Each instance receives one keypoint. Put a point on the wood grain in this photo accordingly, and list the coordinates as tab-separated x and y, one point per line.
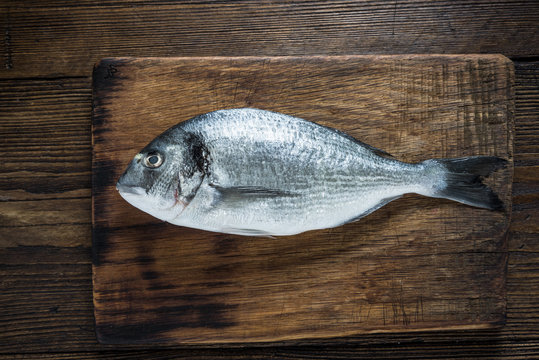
416	264
405	350
45	300
64	38
45	138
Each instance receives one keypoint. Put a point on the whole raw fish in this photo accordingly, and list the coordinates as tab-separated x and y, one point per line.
256	172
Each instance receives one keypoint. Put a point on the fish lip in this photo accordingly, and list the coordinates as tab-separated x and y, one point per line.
126	189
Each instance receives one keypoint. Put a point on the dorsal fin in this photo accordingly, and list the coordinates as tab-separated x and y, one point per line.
377	151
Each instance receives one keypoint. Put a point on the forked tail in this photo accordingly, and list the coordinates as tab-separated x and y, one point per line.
461	180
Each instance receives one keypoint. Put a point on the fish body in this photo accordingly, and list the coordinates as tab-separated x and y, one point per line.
255	172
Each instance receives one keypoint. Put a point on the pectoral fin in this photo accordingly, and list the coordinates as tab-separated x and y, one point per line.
236	196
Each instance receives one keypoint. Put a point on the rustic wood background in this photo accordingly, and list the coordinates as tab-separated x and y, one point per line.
48	51
415	264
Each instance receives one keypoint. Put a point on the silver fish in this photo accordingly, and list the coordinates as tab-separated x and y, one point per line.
260	173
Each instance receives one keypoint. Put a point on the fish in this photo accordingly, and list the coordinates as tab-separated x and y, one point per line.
255	172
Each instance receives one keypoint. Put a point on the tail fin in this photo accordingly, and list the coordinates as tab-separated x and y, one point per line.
463	181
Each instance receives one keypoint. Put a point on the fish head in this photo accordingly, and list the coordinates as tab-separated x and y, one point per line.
163	177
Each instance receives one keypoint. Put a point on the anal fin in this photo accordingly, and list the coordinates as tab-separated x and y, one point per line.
383	202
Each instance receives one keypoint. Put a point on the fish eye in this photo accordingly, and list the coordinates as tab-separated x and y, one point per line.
153	160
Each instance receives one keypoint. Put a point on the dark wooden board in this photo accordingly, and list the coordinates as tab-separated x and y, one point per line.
46	288
65	38
417	264
45	260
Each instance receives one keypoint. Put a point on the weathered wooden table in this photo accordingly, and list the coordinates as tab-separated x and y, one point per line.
49	49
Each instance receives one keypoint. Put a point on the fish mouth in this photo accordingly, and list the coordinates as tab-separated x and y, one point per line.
126	189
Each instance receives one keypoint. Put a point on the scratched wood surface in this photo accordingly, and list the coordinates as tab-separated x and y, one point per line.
416	264
64	38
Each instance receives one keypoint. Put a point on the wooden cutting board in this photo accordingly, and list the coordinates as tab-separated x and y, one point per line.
416	264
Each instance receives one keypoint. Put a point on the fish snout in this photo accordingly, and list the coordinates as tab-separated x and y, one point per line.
124	186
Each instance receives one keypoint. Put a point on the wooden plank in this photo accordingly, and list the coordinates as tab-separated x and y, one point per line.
49	336
45	138
66	38
46	305
445	269
471	351
527	105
